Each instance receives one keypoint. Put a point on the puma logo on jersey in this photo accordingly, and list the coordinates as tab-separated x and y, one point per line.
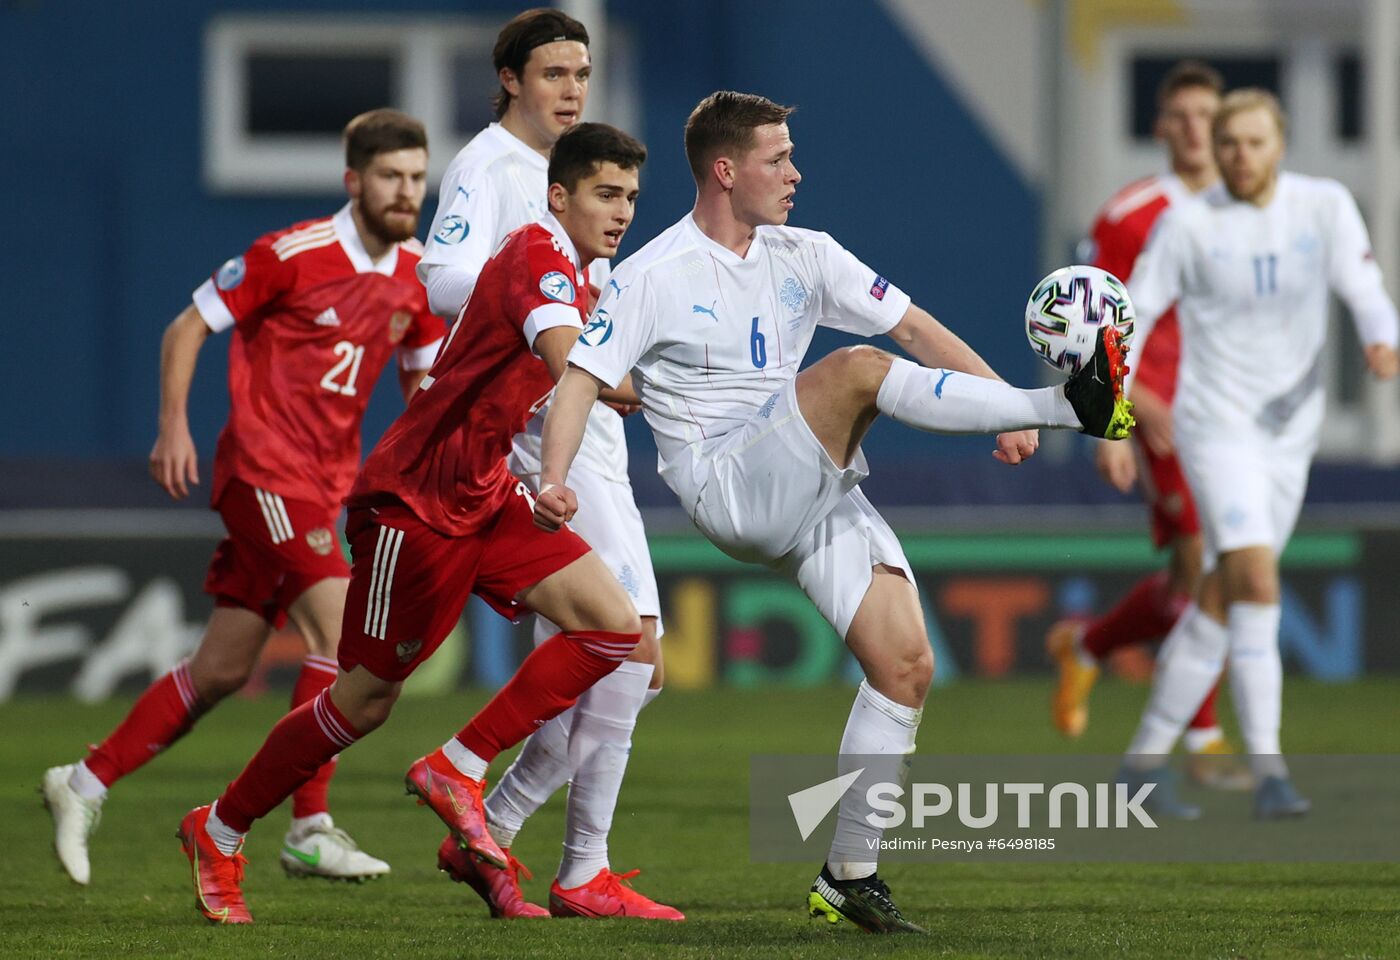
710	310
328	318
613	283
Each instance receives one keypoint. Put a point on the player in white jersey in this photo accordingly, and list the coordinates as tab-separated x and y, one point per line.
496	183
712	318
1249	265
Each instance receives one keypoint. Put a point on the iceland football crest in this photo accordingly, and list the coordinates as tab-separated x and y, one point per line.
598	329
793	295
556	286
231	274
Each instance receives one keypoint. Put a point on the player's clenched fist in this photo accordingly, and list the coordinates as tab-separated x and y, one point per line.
554	507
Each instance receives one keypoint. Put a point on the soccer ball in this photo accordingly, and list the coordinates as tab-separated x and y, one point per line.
1067	308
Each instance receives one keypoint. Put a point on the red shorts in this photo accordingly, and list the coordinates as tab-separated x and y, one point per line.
409	582
1168	497
275	550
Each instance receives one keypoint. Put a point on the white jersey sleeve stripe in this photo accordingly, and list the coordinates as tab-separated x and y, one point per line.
419	358
547	316
212	308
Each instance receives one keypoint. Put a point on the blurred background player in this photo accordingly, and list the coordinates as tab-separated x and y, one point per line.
435	515
714	315
1187	100
317	311
1249	265
499	182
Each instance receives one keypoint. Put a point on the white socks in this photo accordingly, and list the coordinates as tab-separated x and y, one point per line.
944	401
85	783
468	764
877	725
599	745
601	722
227	839
1187	667
1256	683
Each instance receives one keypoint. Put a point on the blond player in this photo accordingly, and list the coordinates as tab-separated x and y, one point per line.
1249	266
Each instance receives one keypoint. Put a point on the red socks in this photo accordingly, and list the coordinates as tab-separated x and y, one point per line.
163	714
301	743
1147	613
547	683
317	673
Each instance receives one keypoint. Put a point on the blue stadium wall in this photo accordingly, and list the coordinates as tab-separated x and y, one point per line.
111	227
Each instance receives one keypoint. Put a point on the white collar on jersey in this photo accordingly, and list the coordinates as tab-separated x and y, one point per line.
349	237
512	142
552	224
718	249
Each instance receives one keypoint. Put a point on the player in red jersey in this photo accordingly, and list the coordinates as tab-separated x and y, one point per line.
316	312
1187	100
435	516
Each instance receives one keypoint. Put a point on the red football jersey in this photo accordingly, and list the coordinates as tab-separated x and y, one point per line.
1119	234
315	321
445	456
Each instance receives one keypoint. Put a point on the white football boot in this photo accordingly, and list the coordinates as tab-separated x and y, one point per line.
74	820
324	850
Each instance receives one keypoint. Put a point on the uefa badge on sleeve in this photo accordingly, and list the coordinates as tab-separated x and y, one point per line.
556	286
231	274
598	330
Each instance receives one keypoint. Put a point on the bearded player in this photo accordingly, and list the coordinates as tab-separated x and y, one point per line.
316	311
1187	99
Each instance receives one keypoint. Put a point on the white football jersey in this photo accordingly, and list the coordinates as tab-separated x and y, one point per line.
494	185
712	335
1251	287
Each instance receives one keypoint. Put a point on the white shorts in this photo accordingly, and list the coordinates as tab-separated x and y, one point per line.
608	520
773	495
1248	490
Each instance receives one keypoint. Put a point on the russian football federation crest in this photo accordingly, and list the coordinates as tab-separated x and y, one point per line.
321	540
407	650
398	325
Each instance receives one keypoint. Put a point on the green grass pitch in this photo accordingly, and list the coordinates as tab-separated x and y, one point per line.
683	819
